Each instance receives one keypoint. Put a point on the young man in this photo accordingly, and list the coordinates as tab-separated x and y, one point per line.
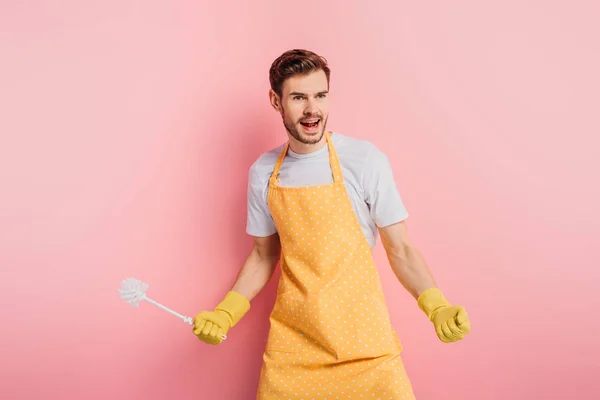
317	203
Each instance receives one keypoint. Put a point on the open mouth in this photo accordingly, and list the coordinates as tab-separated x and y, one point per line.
311	124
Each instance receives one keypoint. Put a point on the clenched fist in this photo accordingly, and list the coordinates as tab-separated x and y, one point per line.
451	322
212	326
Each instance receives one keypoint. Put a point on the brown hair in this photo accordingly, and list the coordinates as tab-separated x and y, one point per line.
293	62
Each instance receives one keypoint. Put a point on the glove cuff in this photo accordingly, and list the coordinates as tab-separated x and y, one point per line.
431	301
235	305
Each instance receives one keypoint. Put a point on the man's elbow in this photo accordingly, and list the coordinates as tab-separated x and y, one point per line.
398	250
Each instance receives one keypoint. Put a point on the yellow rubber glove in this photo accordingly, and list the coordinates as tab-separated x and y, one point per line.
210	326
451	322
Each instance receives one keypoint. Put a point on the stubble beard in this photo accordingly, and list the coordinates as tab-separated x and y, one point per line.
296	134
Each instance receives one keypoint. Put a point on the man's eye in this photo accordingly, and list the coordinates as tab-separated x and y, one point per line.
297	97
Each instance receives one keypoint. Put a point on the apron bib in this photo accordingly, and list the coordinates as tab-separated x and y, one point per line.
330	334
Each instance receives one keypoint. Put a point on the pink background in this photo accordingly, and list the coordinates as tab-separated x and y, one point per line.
127	133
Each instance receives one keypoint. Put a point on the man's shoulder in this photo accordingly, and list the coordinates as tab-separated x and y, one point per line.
263	165
355	147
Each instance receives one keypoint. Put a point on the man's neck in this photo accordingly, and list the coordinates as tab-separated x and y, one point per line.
303	148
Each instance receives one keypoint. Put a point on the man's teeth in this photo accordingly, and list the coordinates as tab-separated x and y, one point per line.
311	122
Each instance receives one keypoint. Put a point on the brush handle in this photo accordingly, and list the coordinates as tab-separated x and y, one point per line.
187	320
167	309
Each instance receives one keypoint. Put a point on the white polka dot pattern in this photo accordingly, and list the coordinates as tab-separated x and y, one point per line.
330	334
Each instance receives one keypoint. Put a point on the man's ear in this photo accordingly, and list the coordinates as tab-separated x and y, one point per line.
275	100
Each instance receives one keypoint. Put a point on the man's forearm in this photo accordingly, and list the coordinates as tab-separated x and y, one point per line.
410	268
255	273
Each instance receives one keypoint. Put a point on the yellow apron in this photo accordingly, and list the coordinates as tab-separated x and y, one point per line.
330	335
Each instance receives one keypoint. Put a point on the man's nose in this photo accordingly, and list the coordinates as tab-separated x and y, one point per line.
311	107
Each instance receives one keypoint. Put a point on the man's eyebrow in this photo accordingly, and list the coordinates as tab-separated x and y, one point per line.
304	94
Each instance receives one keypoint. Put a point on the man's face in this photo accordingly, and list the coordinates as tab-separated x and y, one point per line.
303	106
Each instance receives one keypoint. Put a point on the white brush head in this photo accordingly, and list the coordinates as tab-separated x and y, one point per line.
133	291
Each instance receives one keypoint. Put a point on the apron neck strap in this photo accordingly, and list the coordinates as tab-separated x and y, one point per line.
334	162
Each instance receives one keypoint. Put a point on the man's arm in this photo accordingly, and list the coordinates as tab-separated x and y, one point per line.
210	326
259	266
451	323
406	261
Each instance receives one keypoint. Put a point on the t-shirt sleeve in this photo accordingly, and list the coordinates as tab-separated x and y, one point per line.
259	221
381	193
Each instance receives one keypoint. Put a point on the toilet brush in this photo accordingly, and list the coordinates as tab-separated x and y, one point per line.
133	291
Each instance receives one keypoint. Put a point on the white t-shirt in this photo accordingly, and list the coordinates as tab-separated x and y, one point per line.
368	178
